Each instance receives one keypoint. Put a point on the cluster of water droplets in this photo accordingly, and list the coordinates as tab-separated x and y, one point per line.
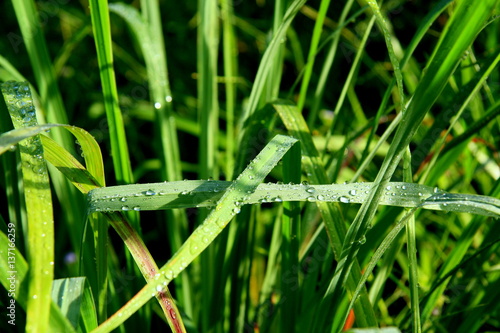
20	106
19	103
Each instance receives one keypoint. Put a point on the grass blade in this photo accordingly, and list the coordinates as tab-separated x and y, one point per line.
459	34
40	242
227	207
102	35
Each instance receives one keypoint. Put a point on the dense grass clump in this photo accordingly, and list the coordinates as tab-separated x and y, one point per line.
293	167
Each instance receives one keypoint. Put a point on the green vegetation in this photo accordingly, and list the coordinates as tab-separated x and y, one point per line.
294	167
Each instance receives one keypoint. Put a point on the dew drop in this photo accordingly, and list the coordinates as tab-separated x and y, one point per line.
352	192
403	187
436	190
169	274
310	190
149	192
125	208
344	200
168	99
157	105
362	240
123	199
320	197
159	288
193	248
311	199
236	210
137	208
278	199
388	188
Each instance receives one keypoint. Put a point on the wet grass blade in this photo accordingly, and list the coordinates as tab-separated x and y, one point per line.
202	193
227	207
460	32
40	228
333	220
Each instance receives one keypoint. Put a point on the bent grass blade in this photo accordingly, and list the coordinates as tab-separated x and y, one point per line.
85	180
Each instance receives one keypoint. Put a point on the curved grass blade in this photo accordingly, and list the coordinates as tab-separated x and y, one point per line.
67	294
90	149
86	180
227	207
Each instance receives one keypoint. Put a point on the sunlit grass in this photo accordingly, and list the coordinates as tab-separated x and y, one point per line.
291	213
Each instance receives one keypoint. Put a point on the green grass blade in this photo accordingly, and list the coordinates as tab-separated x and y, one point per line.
230	73
318	29
351	75
13	262
469	93
227	207
85	181
199	193
208	113
332	217
460	32
102	35
383	26
67	294
412	253
325	71
30	22
208	42
40	242
290	245
491	114
266	62
101	29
